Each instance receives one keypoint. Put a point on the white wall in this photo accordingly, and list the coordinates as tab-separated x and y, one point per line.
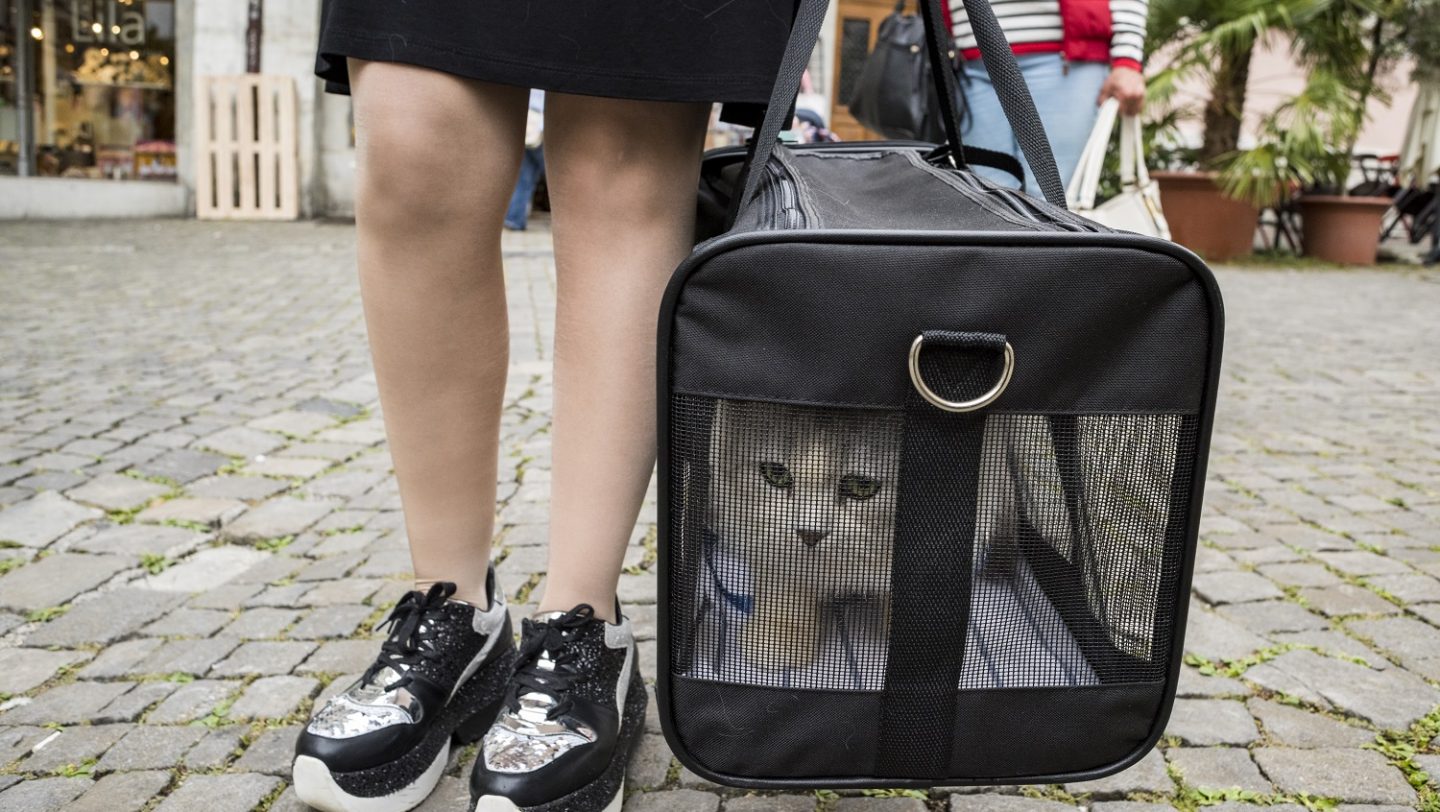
291	28
337	157
83	198
1274	78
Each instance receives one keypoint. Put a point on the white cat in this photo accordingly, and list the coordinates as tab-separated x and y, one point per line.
805	498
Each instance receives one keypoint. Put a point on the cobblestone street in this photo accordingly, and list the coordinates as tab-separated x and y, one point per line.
199	528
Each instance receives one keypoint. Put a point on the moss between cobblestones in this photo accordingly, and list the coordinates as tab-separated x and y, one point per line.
219	715
198	527
1382	592
126	516
231	467
1190	799
155	563
1401	748
896	793
672	775
153	478
48	613
274	545
650	543
1050	792
375	618
1237	667
75	770
522	594
467	754
270	799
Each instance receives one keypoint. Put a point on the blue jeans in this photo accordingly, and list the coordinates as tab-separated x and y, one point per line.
1065	100
532	166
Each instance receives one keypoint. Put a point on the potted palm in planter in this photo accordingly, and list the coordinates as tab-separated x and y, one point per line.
1306	146
1213	40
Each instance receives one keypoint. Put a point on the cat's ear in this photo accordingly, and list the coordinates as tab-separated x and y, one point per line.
730	430
734	417
724	416
725	432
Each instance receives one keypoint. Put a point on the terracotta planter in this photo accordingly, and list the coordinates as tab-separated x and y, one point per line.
1342	229
1203	219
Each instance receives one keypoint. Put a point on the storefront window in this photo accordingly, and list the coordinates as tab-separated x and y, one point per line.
9	115
103	76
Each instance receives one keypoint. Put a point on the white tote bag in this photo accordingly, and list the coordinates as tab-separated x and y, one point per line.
1137	207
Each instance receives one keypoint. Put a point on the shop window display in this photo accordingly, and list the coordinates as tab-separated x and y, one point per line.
103	103
9	115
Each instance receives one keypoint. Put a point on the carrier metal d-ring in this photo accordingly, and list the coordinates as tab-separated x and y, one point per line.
959	405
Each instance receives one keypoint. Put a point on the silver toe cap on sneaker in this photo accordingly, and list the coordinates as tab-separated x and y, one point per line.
364	708
525	740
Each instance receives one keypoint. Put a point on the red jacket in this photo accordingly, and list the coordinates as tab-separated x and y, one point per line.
1087	30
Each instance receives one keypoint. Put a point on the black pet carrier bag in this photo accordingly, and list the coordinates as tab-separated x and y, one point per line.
931	456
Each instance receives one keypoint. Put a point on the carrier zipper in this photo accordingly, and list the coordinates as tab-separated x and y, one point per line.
957	180
788	213
991	196
1061	217
1026	206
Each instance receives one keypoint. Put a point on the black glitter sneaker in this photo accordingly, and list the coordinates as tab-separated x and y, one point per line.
573	712
382	744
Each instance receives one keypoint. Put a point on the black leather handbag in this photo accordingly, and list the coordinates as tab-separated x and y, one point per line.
893	95
931	459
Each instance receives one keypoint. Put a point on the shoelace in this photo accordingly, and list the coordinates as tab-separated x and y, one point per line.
552	639
410	635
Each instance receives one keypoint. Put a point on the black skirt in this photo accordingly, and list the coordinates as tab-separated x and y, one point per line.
670	50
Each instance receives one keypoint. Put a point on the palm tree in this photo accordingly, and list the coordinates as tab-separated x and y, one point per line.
1341	43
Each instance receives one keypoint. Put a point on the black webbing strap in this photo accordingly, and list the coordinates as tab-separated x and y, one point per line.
804	32
979	156
1000	62
1015	99
931	568
939	44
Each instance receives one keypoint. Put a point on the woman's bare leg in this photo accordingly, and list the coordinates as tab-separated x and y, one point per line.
437	160
622	177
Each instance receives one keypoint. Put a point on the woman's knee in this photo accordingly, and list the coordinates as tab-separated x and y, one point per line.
433	150
408	177
624	157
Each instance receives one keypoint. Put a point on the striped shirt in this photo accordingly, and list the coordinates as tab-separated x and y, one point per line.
1037	23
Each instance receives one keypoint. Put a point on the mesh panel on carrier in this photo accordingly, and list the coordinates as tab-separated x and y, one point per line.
787	516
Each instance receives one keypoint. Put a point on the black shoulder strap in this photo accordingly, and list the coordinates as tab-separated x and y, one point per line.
1014	97
999	62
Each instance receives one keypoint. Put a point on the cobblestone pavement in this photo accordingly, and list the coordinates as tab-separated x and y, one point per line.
200	527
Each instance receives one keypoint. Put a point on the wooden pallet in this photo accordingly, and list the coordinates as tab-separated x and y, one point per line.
247	148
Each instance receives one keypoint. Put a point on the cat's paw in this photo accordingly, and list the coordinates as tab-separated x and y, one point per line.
776	648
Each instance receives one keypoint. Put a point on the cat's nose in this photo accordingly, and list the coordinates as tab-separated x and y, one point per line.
810	535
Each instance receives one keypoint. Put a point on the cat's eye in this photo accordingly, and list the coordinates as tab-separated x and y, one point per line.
857	486
776	474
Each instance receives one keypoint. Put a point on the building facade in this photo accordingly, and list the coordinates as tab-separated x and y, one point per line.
98	98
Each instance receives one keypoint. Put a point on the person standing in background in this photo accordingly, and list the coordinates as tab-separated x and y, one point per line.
1074	54
532	164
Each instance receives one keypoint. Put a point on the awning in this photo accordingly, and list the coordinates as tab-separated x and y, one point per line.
1420	156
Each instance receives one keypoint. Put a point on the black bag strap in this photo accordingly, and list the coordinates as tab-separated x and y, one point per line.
1014	97
999	60
942	73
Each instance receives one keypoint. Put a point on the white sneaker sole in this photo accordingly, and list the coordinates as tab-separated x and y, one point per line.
495	803
316	786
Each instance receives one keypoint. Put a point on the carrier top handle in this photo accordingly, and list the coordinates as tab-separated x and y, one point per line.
1014	97
1000	62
